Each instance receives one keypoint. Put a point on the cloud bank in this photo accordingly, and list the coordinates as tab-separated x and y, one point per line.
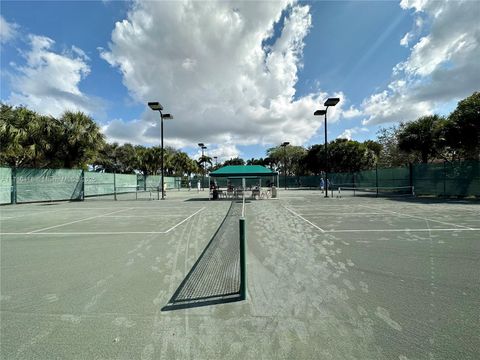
219	68
443	65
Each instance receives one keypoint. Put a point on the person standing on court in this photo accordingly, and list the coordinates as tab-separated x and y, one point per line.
198	186
322	184
189	185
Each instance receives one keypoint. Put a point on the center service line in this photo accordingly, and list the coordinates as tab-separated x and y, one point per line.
301	217
181	222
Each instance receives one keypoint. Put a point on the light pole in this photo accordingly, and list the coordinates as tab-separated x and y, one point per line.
215	158
203	147
156	106
329	102
284	145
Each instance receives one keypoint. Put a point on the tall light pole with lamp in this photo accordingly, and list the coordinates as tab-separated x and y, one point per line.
203	147
329	102
156	106
284	145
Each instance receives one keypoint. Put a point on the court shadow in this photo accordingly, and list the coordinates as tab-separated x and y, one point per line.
215	276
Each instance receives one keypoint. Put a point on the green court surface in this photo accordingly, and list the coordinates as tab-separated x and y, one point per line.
328	278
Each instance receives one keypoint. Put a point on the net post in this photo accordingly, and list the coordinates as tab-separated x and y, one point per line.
376	176
243	260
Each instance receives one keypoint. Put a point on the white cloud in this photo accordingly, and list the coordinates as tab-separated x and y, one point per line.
442	67
208	64
348	133
8	31
351	112
49	81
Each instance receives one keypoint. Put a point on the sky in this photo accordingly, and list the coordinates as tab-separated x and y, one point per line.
240	77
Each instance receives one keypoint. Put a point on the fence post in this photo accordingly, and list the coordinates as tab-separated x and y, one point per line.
410	174
82	195
353	179
243	260
376	177
444	179
13	194
114	185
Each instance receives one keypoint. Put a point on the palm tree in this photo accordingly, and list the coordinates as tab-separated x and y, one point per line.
82	139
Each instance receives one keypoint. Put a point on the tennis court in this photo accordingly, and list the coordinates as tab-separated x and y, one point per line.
328	278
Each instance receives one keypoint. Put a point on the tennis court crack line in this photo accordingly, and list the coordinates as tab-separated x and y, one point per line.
417	217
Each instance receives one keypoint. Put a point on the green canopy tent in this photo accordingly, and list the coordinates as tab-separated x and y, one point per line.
245	172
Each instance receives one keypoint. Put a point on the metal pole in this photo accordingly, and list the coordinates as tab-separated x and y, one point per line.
243	260
114	183
326	156
163	187
82	195
203	173
14	186
285	164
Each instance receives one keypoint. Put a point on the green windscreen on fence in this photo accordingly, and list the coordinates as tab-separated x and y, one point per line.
48	184
5	185
98	183
154	181
366	178
447	179
126	182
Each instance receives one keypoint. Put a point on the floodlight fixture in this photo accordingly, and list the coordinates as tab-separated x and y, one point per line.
155	105
331	101
320	112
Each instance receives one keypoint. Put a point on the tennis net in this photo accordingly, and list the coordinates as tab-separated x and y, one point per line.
375	191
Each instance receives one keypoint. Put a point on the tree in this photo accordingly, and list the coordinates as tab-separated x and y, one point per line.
204	159
81	141
254	161
374	146
234	161
420	137
349	156
462	130
314	160
28	139
390	154
289	156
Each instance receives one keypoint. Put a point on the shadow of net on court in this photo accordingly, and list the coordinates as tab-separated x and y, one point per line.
215	277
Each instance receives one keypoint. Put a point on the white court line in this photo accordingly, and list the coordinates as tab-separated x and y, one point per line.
88	233
143	216
335	214
418	217
301	217
397	230
181	222
76	221
164	232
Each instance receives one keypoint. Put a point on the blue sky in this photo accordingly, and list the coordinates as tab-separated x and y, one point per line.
240	77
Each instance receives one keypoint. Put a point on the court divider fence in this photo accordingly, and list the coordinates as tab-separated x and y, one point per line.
24	185
443	179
